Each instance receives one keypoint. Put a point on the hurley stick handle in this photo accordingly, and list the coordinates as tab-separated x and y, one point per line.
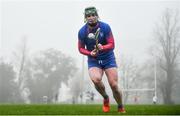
96	38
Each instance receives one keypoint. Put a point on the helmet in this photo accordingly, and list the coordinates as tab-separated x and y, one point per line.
90	10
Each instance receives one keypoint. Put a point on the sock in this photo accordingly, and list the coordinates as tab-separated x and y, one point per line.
120	106
106	96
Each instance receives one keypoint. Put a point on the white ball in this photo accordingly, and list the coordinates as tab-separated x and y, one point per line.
91	36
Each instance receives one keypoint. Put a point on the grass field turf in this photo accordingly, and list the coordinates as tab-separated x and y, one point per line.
79	109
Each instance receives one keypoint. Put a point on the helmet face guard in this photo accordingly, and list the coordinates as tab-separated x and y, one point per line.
90	11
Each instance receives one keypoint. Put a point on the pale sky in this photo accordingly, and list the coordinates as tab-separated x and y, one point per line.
55	24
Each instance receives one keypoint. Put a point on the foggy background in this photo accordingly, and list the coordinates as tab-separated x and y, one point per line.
40	62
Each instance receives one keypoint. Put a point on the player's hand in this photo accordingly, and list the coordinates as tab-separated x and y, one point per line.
100	47
94	53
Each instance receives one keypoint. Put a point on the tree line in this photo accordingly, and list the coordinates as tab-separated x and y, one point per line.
30	77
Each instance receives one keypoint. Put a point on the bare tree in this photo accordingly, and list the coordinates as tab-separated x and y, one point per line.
20	61
167	33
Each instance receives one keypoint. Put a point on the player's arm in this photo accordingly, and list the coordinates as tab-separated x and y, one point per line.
109	39
109	45
81	44
84	51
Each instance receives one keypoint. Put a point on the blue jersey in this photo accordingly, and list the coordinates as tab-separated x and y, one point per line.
105	38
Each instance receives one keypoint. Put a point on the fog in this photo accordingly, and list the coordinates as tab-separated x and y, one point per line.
55	24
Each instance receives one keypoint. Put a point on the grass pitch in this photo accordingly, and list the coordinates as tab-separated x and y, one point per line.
84	109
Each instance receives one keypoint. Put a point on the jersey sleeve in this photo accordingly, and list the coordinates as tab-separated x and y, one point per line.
109	39
81	45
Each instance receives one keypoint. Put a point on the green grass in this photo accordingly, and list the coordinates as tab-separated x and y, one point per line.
52	109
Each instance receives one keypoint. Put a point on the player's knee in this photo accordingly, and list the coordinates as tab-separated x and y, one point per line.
96	81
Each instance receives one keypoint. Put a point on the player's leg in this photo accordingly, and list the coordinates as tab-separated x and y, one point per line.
112	76
96	74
